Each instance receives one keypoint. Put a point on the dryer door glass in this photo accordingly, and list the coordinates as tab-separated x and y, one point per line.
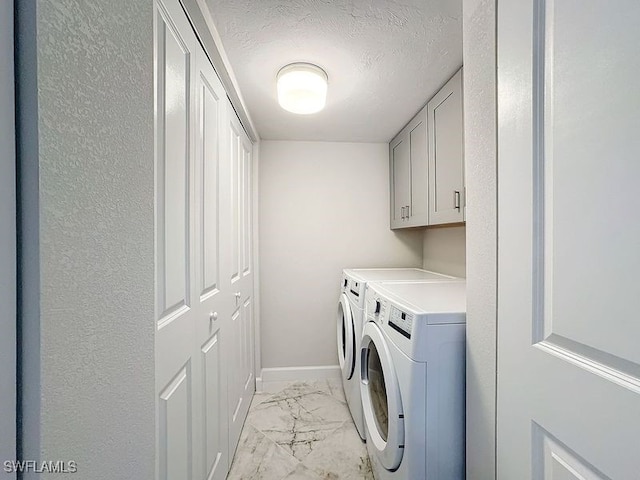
378	391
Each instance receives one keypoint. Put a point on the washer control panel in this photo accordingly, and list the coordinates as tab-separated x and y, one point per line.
401	321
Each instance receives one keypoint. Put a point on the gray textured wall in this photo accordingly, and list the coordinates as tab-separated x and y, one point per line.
7	242
94	207
479	47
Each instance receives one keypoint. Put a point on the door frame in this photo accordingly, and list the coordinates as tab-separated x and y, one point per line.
8	248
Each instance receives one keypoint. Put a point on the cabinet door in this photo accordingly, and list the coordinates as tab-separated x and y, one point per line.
400	169
446	154
418	210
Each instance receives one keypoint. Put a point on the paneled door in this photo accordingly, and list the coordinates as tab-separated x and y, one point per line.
193	309
214	304
177	368
240	277
569	240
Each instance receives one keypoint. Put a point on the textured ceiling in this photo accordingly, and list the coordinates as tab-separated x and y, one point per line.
384	59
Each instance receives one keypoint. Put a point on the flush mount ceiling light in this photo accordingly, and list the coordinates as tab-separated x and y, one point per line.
302	88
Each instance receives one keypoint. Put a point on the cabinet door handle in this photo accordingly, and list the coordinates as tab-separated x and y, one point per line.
456	200
408	211
402	213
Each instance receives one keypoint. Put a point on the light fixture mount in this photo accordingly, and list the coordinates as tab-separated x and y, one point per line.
302	88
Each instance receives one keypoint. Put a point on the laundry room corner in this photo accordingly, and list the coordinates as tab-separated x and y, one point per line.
322	206
444	250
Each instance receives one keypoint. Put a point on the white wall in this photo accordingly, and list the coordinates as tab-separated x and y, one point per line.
444	250
323	207
7	242
479	24
86	157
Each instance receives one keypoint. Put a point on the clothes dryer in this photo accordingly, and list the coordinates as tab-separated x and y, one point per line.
350	323
413	380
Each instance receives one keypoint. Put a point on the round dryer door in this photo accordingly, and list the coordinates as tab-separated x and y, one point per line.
381	401
346	337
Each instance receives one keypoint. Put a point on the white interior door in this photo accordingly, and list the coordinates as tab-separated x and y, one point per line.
214	306
569	237
240	277
177	368
192	306
7	242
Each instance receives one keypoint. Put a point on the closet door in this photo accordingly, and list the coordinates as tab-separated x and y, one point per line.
240	277
177	368
213	303
193	310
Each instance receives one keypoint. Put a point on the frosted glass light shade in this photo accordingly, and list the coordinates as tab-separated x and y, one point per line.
302	88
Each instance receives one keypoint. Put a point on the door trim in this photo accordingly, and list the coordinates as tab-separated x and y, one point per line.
207	33
256	265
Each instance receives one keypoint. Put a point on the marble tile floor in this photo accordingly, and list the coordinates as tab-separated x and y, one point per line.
303	432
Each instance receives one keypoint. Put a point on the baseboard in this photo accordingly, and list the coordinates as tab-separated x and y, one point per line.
273	379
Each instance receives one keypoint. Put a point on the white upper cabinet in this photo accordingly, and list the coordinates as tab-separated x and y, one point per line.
408	173
446	154
400	171
419	212
426	163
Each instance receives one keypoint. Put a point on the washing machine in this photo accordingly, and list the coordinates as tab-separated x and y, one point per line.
412	380
350	322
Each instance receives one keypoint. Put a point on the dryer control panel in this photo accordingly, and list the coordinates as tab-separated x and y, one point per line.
375	307
401	321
